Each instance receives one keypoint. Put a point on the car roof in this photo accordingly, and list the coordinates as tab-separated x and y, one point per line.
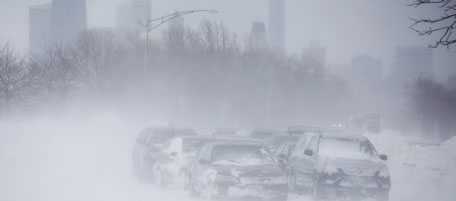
344	136
198	137
235	143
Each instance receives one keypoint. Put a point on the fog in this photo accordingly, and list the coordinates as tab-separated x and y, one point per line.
79	83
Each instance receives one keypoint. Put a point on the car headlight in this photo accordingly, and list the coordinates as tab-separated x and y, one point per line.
226	179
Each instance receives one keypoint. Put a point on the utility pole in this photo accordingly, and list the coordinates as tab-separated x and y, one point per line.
149	25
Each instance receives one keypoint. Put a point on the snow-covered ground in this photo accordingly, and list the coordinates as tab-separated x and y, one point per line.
90	160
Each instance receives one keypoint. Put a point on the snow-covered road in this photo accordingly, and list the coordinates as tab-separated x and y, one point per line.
90	160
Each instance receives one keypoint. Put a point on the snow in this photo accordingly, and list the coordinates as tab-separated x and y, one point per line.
44	159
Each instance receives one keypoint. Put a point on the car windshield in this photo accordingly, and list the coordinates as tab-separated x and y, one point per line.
277	140
346	148
241	155
193	145
160	136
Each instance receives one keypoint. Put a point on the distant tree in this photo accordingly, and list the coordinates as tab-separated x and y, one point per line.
443	25
98	53
434	105
12	74
55	71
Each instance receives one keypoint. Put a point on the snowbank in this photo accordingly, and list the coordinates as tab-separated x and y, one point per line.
419	171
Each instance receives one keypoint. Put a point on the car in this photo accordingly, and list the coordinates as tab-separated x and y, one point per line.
262	134
237	170
226	132
299	130
339	166
175	158
148	144
275	140
283	152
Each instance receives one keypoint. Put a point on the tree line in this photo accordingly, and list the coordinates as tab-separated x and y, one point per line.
206	75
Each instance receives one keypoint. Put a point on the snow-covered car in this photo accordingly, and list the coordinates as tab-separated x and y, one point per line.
338	166
237	170
148	144
175	158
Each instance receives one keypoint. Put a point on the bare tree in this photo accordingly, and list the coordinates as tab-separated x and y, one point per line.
442	25
98	52
12	73
55	70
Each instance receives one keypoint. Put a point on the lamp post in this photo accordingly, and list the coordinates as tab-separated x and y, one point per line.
151	24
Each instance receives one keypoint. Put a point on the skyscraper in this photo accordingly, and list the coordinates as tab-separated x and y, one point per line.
39	26
258	39
276	27
68	19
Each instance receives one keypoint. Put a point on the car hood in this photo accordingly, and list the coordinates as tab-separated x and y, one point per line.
267	170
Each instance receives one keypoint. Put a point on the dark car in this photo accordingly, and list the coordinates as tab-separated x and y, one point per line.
338	166
283	152
237	170
148	144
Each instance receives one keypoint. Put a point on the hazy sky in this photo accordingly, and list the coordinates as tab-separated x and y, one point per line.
347	28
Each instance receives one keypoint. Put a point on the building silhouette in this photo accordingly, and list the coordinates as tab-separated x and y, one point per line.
317	52
276	24
68	19
39	26
413	62
258	36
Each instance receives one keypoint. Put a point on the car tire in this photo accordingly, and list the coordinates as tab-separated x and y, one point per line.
317	190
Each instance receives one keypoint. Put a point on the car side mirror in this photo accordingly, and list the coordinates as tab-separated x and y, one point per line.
308	152
203	162
173	154
384	157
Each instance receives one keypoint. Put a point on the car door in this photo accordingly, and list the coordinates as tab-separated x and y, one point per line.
308	162
300	161
200	169
296	158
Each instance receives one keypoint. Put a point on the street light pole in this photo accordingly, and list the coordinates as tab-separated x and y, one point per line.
148	24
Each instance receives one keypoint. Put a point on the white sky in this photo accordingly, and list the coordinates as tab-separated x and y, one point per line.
347	28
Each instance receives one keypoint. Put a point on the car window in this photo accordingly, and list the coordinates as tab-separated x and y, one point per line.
206	154
346	148
313	144
279	150
300	146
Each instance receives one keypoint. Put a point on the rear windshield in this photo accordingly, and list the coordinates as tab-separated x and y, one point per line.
346	148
